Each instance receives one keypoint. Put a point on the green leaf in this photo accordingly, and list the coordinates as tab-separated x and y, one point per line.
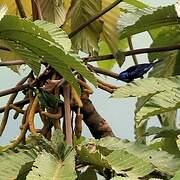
146	86
104	49
177	176
162	132
147	19
163	102
137	4
8	56
61	38
88	155
161	160
59	145
37	42
16	163
110	31
47	99
47	166
56	33
53	11
87	39
134	167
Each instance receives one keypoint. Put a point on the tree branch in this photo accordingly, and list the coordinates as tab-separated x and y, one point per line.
133	52
14	89
92	19
20	9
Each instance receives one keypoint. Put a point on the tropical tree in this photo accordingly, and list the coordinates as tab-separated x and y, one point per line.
51	38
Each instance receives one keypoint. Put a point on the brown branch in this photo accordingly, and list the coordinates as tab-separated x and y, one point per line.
14	89
20	9
19	103
92	19
103	71
133	52
67	91
97	125
110	56
24	128
11	63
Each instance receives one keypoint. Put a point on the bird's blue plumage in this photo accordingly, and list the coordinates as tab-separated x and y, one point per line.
136	71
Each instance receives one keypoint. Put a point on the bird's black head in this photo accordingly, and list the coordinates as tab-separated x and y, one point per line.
124	76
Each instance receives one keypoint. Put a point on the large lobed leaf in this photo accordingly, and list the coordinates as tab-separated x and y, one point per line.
53	11
35	41
161	160
47	166
16	163
121	160
80	12
162	95
147	86
147	19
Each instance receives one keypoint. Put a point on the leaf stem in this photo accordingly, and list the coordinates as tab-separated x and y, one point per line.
92	19
132	48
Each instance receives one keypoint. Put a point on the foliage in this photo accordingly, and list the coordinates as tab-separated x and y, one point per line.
57	87
56	159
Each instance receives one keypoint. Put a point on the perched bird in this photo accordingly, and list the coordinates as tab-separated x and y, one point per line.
136	71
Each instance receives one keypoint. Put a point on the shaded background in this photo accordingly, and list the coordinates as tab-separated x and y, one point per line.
118	112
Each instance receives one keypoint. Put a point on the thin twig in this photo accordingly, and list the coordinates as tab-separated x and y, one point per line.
14	89
20	9
132	48
103	71
7	109
19	103
92	19
66	91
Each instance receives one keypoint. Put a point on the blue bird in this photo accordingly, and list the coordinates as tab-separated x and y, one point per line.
136	71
